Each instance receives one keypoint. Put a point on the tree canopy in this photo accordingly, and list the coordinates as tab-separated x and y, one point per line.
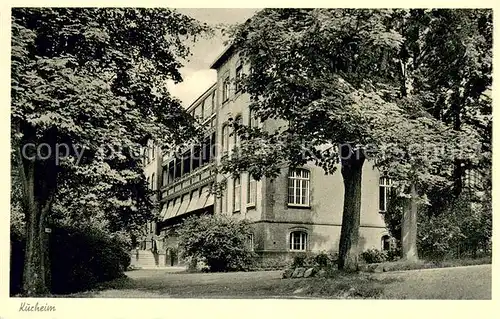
376	82
91	84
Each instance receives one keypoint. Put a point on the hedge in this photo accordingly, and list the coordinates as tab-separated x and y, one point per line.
80	259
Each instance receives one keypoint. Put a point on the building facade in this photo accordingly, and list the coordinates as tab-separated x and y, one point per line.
299	211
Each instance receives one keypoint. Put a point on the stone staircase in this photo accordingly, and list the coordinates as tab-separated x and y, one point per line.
144	259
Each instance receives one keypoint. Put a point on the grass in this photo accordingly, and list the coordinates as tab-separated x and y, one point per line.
258	284
442	283
423	264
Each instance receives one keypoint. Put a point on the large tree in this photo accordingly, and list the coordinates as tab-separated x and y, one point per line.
329	78
445	69
85	81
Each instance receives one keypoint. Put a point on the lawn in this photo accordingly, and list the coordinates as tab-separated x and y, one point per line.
472	282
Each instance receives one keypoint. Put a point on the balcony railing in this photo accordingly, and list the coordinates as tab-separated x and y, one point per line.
198	177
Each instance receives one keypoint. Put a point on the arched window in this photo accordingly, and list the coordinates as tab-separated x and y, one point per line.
252	119
386	242
237	138
298	240
239	75
225	138
298	187
225	89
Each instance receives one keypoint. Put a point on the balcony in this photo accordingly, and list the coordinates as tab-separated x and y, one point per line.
201	176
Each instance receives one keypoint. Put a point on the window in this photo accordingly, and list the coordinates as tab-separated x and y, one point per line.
196	156
178	166
224	198
237	138
252	121
237	195
203	110
171	171
213	148
206	150
249	242
251	190
298	187
145	156
165	176
198	113
386	242
471	179
213	102
148	181
225	138
225	89
186	158
239	74
153	181
384	188
298	240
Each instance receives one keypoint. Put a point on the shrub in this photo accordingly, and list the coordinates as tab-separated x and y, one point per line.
325	260
394	254
449	227
322	260
300	259
80	259
373	255
272	263
218	240
463	229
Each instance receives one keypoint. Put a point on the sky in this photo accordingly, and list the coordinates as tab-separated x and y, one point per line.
197	75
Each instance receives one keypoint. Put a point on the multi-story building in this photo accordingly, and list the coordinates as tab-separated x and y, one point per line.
187	176
300	210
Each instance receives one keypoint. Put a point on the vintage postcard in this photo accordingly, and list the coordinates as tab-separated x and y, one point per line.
163	155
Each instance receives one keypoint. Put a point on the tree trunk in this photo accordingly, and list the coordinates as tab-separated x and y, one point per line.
409	227
36	268
39	179
349	235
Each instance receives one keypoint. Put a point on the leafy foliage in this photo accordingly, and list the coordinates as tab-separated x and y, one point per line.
320	260
81	258
101	89
373	255
464	229
406	88
217	240
460	228
90	82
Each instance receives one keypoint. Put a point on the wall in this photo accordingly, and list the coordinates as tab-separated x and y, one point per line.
236	105
274	219
323	219
326	198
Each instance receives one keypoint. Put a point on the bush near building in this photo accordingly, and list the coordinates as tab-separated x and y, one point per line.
219	241
80	259
455	229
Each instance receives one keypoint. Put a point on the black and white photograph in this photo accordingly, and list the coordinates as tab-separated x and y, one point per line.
250	153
